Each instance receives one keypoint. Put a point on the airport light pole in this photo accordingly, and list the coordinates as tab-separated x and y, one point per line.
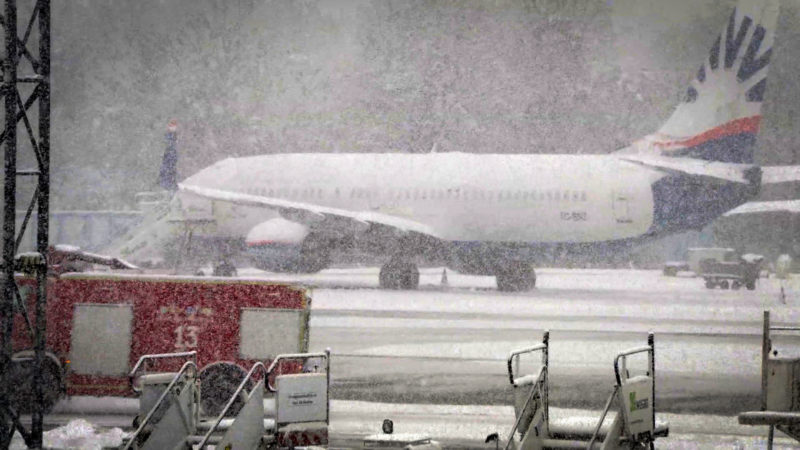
25	90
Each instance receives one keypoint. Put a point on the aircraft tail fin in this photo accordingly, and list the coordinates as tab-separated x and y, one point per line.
721	112
168	175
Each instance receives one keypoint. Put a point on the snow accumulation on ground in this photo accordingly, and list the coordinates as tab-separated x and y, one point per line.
547	278
454	423
78	434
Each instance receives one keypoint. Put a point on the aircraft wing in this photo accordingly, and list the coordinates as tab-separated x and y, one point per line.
792	206
780	174
316	216
738	173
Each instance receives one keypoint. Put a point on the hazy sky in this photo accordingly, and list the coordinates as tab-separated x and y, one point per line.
247	77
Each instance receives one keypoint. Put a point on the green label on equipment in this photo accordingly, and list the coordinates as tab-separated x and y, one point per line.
637	404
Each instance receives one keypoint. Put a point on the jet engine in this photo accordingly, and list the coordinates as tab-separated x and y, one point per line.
280	245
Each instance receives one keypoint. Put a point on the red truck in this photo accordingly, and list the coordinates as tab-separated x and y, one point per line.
99	324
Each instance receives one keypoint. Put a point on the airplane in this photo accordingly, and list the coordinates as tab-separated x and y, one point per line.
492	214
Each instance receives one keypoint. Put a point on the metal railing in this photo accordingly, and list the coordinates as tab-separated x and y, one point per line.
766	348
537	388
186	366
620	367
622	356
231	400
266	373
543	347
147	358
603	417
538	383
289	356
650	349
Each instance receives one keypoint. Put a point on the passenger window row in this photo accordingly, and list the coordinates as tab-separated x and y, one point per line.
426	194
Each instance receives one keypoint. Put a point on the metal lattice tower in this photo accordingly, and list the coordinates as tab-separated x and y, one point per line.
26	93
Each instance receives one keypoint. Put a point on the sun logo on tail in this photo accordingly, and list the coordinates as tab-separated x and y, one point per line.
745	67
721	112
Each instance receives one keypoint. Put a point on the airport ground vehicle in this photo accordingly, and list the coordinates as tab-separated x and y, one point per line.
698	254
671	268
100	324
695	256
734	274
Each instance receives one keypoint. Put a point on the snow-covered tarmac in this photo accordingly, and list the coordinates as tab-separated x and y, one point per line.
449	343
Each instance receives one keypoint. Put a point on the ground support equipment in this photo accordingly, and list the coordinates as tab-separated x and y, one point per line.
633	427
292	412
780	389
169	404
279	411
734	274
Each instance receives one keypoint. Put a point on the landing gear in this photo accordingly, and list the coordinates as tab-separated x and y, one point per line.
515	277
399	275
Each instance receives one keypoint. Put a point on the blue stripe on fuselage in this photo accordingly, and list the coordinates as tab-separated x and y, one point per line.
681	202
684	202
736	148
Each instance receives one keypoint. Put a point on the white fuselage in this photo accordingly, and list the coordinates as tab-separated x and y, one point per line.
461	196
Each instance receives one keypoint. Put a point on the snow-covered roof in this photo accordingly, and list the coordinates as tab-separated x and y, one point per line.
760	207
780	174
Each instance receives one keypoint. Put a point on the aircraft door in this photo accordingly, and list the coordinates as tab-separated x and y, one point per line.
621	203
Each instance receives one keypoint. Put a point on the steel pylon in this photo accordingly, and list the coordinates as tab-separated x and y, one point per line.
25	90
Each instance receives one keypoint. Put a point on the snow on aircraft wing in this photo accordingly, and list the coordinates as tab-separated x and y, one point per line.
315	215
792	206
780	174
738	173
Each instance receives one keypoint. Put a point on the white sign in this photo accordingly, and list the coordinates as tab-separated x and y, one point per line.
302	398
637	404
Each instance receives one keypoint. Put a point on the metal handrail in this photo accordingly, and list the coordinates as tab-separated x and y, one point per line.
536	388
543	347
186	366
784	328
603	417
266	373
517	353
650	348
326	354
233	398
192	354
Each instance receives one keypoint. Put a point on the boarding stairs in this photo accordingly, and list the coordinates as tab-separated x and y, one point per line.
633	427
780	388
279	411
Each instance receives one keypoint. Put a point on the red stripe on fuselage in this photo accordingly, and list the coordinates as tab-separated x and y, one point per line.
738	126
